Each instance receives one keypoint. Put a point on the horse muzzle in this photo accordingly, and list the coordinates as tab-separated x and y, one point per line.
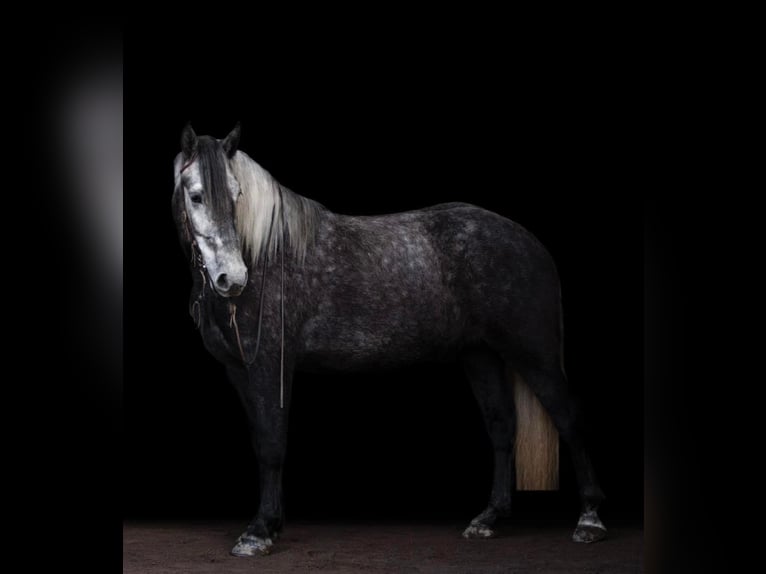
230	285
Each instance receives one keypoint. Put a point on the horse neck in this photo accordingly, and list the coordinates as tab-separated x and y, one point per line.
269	214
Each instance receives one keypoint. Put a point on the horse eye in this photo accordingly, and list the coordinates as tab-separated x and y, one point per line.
196	198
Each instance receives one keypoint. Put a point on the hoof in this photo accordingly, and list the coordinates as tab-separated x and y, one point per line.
249	545
478	531
589	534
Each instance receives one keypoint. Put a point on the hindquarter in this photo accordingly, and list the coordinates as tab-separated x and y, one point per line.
504	278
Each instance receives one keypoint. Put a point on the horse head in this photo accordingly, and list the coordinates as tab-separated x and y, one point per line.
210	194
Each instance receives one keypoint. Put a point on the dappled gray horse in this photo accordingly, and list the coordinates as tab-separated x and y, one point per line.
283	284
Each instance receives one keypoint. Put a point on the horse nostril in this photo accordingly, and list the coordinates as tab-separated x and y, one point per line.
222	281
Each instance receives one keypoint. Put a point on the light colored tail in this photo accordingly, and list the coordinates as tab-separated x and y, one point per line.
537	442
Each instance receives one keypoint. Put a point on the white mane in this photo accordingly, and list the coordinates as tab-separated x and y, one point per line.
261	196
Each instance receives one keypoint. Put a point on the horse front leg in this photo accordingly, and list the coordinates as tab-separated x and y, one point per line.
259	390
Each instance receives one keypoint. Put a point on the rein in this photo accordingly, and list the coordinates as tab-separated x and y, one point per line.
198	263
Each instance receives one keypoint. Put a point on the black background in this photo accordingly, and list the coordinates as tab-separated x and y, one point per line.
547	145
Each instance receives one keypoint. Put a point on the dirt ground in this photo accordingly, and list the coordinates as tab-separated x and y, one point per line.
195	547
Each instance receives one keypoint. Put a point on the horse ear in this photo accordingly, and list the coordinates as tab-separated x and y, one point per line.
231	142
188	141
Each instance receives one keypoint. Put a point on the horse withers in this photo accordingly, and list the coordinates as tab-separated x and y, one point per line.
280	283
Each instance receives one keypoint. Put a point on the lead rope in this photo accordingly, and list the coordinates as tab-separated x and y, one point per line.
263	288
233	322
260	310
233	308
282	300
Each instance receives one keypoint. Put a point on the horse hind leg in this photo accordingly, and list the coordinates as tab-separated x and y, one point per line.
486	372
549	384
